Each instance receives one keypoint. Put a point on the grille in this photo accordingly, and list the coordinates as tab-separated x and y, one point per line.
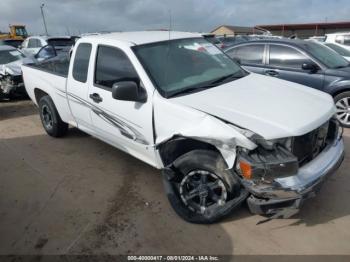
308	146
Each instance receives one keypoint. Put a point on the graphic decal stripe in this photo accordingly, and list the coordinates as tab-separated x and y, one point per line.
124	128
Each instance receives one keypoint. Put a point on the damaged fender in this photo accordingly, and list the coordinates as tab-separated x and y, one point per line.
172	119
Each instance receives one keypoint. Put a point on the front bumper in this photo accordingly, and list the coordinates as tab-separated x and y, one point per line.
12	85
290	192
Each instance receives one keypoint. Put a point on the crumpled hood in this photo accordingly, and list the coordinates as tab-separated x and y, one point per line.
14	68
270	107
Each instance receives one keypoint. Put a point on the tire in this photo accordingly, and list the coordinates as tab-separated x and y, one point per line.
50	119
187	187
342	102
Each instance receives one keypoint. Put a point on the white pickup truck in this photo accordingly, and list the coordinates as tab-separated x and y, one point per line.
220	134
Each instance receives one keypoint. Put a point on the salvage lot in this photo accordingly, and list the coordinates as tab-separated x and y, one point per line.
78	195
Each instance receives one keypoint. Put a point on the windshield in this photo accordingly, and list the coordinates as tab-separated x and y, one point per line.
9	56
340	50
179	65
325	55
60	42
21	31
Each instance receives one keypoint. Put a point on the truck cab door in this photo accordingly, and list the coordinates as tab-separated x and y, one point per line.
78	87
124	124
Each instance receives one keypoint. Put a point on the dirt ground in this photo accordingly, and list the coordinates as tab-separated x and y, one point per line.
77	195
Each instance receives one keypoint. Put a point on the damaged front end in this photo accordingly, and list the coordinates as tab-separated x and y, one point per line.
281	175
11	85
274	176
11	81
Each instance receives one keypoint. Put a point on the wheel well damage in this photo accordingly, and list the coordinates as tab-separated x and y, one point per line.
172	149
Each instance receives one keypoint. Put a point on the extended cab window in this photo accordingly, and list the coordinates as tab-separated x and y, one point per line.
248	54
112	65
81	62
284	56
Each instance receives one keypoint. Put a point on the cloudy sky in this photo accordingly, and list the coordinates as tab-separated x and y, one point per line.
80	16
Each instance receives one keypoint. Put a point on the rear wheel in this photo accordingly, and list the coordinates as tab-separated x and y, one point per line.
50	119
203	190
342	102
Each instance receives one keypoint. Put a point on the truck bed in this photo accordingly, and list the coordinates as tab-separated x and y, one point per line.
57	66
51	78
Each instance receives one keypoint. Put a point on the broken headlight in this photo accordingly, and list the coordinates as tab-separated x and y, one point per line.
266	165
269	160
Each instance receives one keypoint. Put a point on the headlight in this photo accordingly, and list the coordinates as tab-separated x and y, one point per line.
266	165
271	159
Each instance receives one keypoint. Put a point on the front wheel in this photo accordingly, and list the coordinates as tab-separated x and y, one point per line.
342	102
51	120
202	189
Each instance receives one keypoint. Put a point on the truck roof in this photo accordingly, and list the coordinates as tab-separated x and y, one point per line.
143	37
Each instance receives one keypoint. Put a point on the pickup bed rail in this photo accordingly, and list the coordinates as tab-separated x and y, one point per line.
54	66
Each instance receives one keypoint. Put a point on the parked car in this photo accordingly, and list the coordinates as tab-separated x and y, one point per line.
304	62
228	41
339	49
221	135
342	39
11	42
33	44
317	38
11	82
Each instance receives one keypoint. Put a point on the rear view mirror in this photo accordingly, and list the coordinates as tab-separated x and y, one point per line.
312	67
129	91
46	52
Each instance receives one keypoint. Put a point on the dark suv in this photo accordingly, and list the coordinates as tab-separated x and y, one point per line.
307	63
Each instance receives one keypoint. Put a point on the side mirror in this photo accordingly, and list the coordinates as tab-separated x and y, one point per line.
46	52
129	91
312	67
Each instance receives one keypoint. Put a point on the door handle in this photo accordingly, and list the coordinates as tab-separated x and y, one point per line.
271	73
96	97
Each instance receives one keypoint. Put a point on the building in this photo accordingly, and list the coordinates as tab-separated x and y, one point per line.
236	30
307	30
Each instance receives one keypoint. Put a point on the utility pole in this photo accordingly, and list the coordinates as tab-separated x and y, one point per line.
42	14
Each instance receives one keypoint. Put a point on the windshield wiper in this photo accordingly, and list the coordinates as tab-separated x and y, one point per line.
227	77
211	84
192	89
342	66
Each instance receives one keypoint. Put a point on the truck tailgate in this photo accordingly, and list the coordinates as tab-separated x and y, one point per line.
37	80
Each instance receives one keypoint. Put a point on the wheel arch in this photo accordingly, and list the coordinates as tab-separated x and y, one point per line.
38	93
170	150
341	90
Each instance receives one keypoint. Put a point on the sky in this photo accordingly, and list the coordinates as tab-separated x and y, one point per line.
81	16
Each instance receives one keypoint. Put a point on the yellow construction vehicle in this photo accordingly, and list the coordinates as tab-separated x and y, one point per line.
17	32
